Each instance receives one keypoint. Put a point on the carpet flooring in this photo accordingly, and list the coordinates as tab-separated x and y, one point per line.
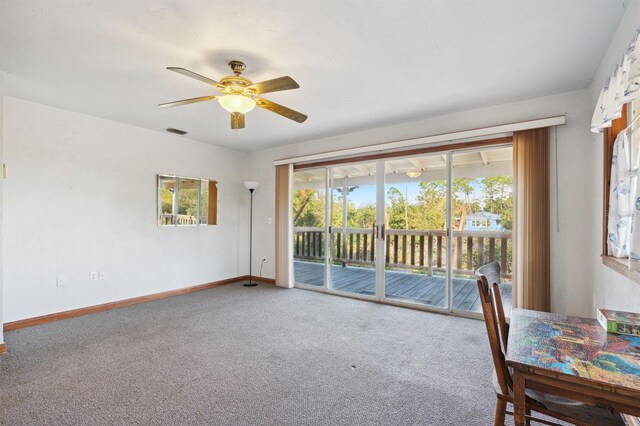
250	356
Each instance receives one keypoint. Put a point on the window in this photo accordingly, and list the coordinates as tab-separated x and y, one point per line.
630	112
480	223
186	201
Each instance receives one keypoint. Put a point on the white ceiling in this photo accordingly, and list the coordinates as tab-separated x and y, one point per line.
360	63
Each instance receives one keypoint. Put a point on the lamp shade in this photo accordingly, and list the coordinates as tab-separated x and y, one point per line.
251	185
237	103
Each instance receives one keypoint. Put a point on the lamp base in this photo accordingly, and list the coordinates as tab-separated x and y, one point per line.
250	284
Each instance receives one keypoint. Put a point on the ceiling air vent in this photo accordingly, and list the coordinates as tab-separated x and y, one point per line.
176	131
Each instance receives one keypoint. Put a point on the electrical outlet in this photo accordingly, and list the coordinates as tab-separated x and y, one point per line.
103	276
269	221
61	281
93	276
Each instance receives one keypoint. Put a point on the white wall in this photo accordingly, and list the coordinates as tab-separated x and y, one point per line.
612	290
81	196
1	182
571	247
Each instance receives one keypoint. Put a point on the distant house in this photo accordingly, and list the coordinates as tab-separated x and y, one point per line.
483	221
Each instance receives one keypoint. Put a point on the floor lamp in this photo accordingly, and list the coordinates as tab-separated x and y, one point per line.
251	186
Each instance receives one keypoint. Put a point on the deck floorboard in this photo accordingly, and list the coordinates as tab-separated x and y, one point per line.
420	288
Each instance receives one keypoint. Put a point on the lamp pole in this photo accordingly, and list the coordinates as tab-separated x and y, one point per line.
251	186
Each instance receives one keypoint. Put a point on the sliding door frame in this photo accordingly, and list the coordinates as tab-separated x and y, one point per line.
380	255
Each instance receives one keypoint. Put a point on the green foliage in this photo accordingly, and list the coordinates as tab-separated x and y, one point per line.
188	201
308	208
499	198
427	211
167	201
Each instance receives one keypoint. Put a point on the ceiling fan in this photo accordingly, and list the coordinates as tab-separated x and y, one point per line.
238	94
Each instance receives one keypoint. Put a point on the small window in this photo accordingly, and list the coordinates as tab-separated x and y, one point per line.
186	201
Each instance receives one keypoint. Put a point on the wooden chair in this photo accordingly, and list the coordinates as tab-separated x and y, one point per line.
573	412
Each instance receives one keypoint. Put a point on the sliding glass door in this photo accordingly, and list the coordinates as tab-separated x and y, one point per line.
415	218
482	227
309	223
353	225
406	230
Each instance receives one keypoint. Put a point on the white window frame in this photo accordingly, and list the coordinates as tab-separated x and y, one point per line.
174	204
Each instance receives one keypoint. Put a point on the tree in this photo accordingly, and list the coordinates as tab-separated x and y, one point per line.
431	205
308	208
499	198
396	209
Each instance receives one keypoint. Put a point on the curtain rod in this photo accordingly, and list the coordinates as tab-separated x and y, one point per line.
557	120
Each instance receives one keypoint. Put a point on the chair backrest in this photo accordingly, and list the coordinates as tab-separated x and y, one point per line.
492	272
488	286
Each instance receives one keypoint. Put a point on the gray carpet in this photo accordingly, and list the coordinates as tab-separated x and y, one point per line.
250	356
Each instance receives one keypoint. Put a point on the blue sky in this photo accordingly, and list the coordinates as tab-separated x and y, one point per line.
367	194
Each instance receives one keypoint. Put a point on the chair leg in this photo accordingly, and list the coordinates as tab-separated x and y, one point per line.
527	422
501	412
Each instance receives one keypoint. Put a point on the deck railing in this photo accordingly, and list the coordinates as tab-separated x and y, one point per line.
418	250
181	219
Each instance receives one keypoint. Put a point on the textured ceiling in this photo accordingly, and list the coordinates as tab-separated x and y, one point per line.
360	64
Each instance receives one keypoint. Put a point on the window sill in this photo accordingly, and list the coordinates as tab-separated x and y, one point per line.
622	267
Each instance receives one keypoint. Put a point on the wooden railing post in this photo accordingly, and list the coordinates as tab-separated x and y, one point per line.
351	246
365	247
492	249
413	249
430	253
395	249
404	249
469	253
388	250
503	255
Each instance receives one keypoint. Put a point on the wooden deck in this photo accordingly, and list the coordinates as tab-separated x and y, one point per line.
420	288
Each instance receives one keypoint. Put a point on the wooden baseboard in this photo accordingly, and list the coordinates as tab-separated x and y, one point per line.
29	322
263	280
3	348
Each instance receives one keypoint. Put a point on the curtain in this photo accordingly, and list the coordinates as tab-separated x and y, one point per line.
623	234
622	86
532	274
284	226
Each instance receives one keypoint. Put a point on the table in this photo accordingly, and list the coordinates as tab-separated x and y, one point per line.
574	358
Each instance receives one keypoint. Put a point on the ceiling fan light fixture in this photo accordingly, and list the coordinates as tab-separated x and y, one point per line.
237	103
414	174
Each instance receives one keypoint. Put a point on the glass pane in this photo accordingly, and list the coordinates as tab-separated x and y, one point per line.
187	201
482	212
635	133
353	191
204	201
415	219
309	201
166	189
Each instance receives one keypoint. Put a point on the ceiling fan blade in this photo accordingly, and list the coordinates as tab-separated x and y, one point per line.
193	75
237	120
187	101
275	85
282	110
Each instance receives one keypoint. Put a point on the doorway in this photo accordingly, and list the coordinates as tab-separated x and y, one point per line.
407	230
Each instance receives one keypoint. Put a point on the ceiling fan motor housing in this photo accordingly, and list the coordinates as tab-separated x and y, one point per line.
235	85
